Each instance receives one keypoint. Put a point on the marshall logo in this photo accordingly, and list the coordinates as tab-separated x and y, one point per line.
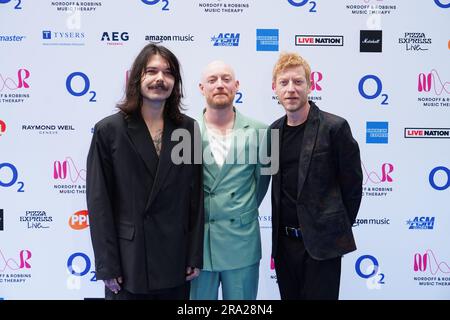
315	40
1	219
371	41
440	133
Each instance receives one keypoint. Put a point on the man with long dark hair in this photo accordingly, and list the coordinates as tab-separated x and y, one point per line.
146	212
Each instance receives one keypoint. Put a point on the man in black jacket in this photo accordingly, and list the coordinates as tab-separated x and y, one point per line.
316	193
146	210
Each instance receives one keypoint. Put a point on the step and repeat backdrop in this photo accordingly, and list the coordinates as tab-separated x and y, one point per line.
381	64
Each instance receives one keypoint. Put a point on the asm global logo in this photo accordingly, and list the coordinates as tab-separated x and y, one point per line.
315	40
439	133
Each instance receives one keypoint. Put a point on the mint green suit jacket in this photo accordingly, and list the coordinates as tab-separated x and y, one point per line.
232	195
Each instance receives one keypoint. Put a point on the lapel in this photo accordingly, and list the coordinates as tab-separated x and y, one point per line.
212	169
240	123
165	160
277	176
308	143
142	141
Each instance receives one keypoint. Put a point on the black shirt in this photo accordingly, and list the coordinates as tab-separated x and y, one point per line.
291	144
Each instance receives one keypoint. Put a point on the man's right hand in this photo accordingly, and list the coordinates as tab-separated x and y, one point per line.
113	284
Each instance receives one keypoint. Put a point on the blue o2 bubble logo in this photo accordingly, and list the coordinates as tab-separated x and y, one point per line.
298	3
433	173
75	269
153	2
378	89
442	5
372	274
9	176
86	85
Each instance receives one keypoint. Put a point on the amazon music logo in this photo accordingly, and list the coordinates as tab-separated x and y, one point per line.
72	177
437	272
377	181
435	89
12	88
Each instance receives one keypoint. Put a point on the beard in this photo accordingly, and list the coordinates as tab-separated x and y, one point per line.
220	101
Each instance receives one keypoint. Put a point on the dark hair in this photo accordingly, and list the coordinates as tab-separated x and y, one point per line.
133	97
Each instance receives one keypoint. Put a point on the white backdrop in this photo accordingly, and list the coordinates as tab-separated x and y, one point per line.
381	64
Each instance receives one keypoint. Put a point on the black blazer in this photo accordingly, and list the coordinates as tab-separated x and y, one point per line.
146	214
329	188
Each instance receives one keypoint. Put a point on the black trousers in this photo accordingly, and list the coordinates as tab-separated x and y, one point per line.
177	293
301	277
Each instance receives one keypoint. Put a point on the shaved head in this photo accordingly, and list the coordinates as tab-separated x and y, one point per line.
214	66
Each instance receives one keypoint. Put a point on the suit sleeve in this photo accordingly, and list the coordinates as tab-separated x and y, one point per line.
99	194
349	170
196	210
262	175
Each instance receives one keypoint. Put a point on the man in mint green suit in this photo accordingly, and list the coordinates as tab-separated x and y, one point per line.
233	147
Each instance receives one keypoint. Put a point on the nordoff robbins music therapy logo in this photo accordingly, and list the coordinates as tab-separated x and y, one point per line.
248	146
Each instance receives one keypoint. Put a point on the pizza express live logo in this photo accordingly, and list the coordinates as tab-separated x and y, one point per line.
36	219
414	41
225	7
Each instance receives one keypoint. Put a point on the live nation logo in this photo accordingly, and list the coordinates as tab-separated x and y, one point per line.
430	133
70	179
378	180
434	90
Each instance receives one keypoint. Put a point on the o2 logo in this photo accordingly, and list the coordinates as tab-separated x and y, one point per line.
86	85
17	6
431	178
79	265
378	89
9	176
153	2
316	77
372	271
298	3
442	5
239	96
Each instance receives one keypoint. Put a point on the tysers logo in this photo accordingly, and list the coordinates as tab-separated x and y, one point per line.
79	220
442	5
444	174
301	3
85	85
9	176
2	127
376	81
372	271
165	3
18	3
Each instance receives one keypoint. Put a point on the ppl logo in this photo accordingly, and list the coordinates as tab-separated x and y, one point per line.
442	5
429	262
12	264
374	83
16	7
421	223
375	178
79	220
377	132
165	3
443	179
226	40
367	267
8	83
267	39
2	127
85	85
316	77
301	3
432	80
9	176
68	169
